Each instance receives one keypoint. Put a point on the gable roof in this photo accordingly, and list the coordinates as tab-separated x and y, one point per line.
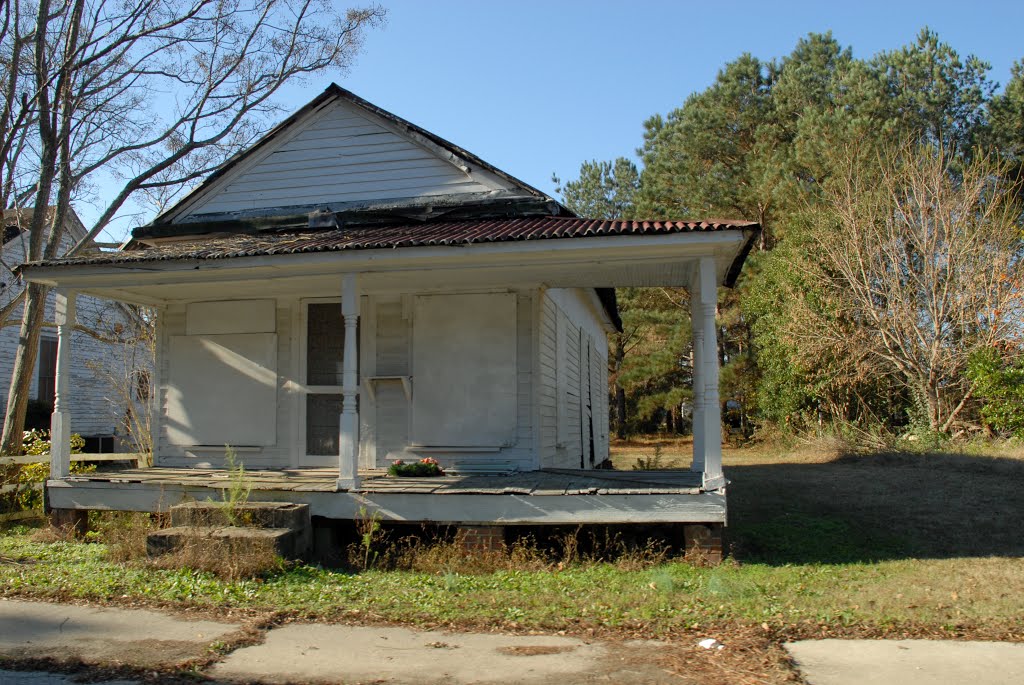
341	153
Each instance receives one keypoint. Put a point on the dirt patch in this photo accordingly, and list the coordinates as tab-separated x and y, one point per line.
534	650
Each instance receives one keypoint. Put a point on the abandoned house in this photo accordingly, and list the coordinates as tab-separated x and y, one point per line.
354	290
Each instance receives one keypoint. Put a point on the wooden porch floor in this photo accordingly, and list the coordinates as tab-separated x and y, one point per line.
547	497
548	482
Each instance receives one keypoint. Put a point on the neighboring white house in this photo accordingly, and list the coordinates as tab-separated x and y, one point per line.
97	408
354	290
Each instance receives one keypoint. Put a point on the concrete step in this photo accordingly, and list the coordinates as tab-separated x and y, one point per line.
231	540
245	515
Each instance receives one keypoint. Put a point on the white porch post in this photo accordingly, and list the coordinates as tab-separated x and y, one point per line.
60	420
696	323
348	439
712	414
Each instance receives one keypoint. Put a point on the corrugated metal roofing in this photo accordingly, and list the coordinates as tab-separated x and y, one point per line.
441	233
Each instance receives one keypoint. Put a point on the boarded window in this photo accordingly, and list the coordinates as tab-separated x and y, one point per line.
47	366
325	344
464	370
222	389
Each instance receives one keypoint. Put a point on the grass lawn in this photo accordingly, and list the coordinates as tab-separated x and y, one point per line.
891	544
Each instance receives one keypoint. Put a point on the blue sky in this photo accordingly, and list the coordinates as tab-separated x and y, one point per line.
536	87
539	87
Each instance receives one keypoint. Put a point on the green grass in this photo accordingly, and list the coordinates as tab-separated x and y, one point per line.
663	599
912	544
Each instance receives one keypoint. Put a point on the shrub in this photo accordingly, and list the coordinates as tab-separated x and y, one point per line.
425	467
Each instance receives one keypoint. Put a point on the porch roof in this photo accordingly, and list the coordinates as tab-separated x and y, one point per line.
296	240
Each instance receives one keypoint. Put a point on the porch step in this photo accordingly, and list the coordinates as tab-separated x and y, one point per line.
244	527
231	540
245	514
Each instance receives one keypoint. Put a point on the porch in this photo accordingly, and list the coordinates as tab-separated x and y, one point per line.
543	497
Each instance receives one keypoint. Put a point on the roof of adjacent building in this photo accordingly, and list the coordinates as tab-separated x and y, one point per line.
295	240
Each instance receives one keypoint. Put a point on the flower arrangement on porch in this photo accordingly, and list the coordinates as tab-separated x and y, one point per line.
426	467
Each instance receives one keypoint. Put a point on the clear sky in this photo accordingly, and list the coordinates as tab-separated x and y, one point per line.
537	87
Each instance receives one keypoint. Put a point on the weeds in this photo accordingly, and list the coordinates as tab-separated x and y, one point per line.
370	534
649	463
239	487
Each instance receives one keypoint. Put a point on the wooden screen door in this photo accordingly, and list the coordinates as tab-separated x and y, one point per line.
324	345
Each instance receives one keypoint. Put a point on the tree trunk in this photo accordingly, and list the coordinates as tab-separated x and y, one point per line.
24	365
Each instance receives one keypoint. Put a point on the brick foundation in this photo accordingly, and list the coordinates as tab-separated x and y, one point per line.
704	542
482	538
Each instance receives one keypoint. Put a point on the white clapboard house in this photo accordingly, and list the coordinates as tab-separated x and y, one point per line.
105	368
354	290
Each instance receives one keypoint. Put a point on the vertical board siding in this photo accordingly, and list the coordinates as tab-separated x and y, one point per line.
339	154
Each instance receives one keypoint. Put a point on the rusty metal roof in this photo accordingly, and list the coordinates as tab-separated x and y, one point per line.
440	233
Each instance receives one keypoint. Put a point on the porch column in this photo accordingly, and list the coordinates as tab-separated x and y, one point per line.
348	439
696	323
712	413
60	420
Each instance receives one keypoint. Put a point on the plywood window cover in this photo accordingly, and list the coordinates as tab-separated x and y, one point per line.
243	410
466	343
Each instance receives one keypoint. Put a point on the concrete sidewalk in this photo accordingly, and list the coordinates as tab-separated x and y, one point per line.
122	637
323	653
908	662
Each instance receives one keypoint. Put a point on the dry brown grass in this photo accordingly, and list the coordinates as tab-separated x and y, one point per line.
227	559
750	657
124	534
439	551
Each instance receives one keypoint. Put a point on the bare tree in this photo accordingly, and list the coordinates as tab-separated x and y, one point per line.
917	266
141	96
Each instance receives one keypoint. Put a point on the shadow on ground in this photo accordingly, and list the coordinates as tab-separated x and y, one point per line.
874	507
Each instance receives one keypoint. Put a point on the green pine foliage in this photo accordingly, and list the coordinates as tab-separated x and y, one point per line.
768	141
998	378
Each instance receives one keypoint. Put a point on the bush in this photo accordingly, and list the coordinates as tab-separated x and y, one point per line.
28	478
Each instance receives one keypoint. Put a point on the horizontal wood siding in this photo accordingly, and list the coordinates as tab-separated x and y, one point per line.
98	369
392	407
548	381
599	386
340	154
389	412
564	313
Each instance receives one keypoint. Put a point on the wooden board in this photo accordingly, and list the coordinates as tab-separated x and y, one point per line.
222	390
464	370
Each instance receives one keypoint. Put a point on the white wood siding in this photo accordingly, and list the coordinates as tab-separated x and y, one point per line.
384	416
339	154
567	319
392	359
